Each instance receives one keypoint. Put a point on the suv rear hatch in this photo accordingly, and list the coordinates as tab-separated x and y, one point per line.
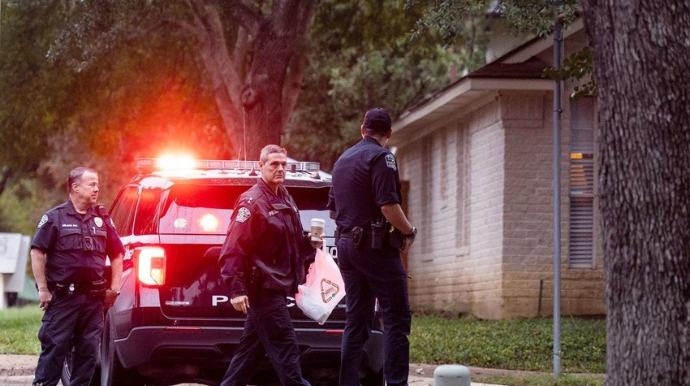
194	218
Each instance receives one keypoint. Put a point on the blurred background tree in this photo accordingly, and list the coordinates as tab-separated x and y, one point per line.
101	83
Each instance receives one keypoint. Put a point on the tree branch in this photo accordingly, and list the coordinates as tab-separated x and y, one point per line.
246	17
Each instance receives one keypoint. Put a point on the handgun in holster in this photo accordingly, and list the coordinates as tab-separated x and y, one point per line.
357	236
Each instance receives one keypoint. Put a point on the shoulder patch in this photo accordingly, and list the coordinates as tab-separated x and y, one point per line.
44	220
390	161
243	214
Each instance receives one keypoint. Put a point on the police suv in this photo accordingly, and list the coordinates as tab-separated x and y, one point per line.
173	321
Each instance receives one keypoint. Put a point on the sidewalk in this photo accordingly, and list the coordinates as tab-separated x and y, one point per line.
19	370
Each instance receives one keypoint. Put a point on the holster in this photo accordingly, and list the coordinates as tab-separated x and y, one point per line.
395	238
383	235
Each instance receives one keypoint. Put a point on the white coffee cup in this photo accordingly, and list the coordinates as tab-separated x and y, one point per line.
317	226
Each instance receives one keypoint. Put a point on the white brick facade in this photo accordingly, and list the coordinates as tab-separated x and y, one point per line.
480	190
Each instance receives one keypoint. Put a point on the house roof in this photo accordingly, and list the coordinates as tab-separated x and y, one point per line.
531	69
519	69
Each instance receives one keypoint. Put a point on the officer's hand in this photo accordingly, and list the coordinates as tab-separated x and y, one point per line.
44	298
110	297
316	244
407	244
240	303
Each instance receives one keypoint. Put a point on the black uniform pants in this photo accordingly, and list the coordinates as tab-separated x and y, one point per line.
268	331
370	275
70	320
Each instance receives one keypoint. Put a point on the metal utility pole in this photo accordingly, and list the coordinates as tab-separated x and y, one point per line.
557	46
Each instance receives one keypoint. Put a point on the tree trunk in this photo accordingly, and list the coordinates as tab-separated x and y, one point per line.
255	107
642	71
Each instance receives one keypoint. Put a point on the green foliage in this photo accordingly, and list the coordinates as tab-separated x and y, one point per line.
362	55
577	66
451	17
22	205
32	87
524	344
19	330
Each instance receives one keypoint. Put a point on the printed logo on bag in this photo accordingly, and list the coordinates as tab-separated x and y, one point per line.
328	290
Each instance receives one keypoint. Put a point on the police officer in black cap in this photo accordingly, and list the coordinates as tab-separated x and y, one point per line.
68	254
372	231
264	258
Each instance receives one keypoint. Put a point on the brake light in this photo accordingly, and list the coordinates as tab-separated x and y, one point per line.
151	266
209	223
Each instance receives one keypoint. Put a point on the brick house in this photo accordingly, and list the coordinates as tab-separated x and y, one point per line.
477	159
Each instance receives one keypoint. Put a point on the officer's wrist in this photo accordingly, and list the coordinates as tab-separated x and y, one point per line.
412	234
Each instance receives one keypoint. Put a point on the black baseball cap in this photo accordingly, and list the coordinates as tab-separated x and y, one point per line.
377	120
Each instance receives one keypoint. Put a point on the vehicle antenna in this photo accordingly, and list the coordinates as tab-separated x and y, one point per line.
244	132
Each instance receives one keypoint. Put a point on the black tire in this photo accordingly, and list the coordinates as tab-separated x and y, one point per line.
112	373
373	379
67	370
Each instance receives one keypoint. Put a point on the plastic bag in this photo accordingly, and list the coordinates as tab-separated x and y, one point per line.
323	289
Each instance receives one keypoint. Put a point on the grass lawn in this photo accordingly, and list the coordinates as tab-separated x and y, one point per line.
19	330
522	344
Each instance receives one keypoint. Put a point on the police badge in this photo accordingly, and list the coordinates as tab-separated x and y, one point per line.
98	221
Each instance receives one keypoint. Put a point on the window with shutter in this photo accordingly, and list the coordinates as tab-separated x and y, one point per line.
582	184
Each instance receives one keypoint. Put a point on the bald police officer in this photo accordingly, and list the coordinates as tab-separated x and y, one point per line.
68	255
365	200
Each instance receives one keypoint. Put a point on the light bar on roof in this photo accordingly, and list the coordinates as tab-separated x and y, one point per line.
168	164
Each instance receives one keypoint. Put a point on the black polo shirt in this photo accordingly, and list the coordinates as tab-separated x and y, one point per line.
365	178
76	244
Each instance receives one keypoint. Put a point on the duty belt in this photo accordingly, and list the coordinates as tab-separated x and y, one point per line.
95	288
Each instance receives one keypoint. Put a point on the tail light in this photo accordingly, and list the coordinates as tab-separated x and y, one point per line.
209	222
151	266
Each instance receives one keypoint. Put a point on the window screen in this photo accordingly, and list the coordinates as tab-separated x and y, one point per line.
582	184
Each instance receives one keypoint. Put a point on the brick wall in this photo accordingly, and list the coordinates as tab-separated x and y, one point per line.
528	216
444	275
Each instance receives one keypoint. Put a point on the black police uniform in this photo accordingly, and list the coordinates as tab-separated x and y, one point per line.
265	256
365	178
76	246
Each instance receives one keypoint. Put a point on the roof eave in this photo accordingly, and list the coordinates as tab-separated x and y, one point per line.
467	95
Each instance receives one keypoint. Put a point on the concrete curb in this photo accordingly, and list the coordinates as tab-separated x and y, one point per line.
18	370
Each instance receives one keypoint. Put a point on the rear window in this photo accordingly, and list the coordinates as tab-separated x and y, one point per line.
198	209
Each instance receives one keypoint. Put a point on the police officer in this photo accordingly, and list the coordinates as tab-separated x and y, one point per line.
264	258
365	201
68	255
